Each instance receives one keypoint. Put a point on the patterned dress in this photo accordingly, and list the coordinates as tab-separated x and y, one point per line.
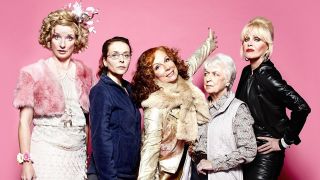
58	144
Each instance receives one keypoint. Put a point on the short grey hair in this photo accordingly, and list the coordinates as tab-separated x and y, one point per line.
229	70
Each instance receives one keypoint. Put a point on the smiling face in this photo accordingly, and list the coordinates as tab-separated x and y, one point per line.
118	59
215	80
254	48
164	68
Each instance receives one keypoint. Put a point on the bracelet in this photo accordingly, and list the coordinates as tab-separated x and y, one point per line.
280	145
25	157
284	144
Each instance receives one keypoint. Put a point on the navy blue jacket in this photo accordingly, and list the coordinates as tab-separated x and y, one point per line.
115	131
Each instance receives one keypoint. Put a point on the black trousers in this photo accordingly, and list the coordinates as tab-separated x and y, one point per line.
264	166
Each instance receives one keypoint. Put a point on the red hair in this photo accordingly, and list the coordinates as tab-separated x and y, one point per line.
143	82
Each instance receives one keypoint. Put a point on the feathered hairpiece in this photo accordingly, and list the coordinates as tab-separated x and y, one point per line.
83	16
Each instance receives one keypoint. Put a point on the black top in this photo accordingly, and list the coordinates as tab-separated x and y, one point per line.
268	96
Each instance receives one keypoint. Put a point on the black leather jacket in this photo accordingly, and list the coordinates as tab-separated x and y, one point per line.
268	96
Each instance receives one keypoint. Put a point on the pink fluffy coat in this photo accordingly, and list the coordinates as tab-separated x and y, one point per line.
38	88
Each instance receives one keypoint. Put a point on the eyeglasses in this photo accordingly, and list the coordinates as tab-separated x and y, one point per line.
116	56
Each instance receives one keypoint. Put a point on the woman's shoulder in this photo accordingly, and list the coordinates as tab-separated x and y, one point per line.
158	99
99	86
268	71
267	66
152	101
82	66
36	66
243	107
100	89
84	73
238	101
36	70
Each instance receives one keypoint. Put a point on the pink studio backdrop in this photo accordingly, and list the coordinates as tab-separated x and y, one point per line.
182	24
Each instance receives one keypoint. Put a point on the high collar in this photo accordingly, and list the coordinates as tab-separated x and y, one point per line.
221	105
217	104
267	63
106	79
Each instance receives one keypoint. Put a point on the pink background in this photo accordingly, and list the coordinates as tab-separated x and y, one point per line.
182	24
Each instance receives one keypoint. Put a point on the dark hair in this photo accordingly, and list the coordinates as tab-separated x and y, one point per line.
105	49
143	83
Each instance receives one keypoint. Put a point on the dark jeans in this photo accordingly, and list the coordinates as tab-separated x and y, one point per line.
92	177
264	166
194	173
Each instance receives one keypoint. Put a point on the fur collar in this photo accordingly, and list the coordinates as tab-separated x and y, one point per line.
188	98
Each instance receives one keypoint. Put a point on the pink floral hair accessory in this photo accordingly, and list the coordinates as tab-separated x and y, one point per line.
84	16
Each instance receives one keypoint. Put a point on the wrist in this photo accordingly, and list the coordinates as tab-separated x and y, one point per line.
25	157
282	144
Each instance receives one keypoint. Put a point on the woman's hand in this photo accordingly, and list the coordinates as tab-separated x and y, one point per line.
204	165
28	171
272	144
210	33
213	37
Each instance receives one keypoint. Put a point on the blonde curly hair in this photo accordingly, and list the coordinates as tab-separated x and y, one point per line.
65	18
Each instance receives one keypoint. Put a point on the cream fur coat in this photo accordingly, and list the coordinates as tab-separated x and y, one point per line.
185	97
171	118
